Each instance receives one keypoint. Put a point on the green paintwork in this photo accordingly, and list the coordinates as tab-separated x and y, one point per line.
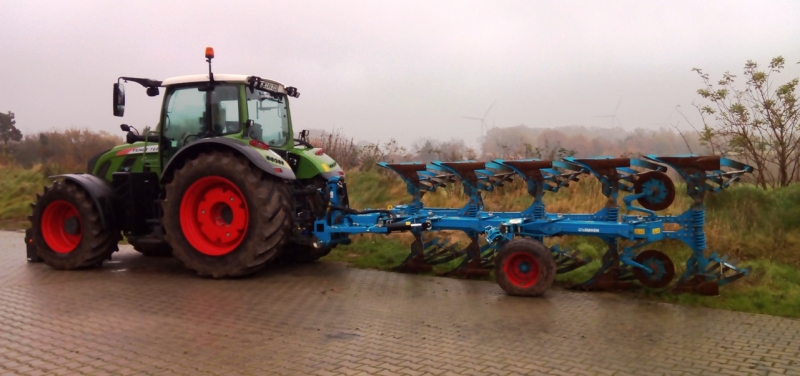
130	156
133	158
311	165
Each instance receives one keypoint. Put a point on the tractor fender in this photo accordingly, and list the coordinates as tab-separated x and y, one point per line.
282	171
101	193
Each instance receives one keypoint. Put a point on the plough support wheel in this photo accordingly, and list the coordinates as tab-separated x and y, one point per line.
524	267
660	187
661	265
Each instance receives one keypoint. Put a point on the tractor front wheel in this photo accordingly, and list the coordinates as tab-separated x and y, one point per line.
224	217
67	230
524	267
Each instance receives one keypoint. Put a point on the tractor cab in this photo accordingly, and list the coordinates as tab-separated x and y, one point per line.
245	110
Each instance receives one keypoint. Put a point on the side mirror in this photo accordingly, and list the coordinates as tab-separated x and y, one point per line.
152	91
119	100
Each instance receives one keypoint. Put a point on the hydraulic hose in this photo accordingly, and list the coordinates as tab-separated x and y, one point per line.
353	211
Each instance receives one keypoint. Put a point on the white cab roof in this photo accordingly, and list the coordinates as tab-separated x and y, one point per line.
238	78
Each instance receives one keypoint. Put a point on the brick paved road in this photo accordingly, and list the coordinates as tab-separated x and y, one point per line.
149	316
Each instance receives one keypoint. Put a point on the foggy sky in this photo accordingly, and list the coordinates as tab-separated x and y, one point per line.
400	69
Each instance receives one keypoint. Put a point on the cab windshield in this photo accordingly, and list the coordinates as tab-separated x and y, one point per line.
267	110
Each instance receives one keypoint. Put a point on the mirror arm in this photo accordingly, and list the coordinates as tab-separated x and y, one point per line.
145	82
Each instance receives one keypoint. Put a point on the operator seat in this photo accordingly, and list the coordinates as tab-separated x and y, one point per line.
254	132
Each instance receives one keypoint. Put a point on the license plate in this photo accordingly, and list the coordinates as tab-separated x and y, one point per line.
264	85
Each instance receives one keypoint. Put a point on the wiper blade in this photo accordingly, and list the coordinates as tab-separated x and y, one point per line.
271	99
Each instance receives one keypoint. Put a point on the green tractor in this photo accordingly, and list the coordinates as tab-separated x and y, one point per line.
221	184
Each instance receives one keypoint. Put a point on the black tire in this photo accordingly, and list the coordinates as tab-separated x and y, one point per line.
267	212
524	267
67	230
152	249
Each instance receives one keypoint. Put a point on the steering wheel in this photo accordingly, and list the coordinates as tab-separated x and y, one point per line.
183	142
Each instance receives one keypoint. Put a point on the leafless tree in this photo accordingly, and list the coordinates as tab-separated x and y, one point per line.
758	122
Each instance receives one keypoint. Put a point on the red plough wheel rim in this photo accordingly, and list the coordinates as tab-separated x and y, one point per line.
214	215
521	269
61	226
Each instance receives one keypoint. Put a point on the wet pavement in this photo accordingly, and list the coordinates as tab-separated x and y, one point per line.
139	315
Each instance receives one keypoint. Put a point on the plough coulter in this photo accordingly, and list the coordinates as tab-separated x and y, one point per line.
221	185
513	242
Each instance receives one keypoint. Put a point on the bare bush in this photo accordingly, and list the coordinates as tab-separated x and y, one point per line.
62	151
342	149
364	156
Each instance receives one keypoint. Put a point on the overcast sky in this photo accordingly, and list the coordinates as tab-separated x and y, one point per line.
399	69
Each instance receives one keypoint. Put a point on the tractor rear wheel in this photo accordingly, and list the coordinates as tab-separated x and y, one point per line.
67	230
224	217
524	267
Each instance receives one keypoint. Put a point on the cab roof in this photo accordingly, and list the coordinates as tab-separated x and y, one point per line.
219	77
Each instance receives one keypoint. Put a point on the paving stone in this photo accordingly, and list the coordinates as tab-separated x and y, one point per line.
139	315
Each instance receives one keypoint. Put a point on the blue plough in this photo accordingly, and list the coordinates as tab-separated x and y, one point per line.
513	242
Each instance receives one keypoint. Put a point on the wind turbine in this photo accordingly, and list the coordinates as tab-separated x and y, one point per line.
483	119
614	115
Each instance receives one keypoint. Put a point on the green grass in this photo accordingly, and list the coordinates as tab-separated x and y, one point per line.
18	188
371	252
772	289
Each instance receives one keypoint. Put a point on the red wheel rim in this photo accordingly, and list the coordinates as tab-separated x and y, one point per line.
61	226
214	215
521	269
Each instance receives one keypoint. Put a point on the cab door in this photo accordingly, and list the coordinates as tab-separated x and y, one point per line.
183	118
187	117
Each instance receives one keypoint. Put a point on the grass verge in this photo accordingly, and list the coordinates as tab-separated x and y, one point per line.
18	188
